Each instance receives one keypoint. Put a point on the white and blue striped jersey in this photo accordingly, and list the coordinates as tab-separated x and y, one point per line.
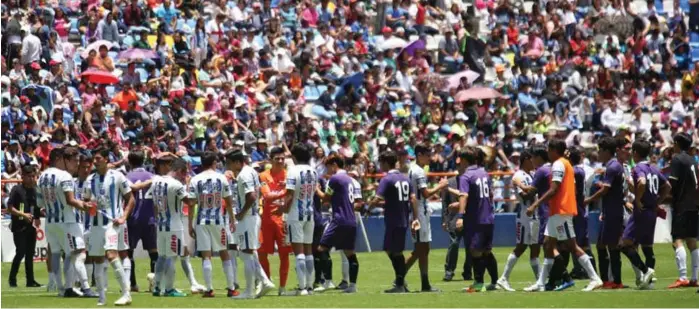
80	186
418	179
52	187
524	203
248	181
357	189
209	188
302	179
168	195
108	192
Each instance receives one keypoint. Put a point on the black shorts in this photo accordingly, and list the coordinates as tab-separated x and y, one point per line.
685	224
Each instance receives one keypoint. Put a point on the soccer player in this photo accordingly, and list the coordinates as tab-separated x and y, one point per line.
342	230
81	185
685	198
322	265
141	223
527	226
301	184
248	227
476	216
613	200
583	176
63	227
110	190
398	199
210	190
559	227
423	237
273	189
651	187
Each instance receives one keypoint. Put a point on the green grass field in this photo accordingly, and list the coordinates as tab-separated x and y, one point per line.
375	275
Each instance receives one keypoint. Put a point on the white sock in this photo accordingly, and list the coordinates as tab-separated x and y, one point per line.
80	270
259	272
100	278
233	254
544	275
345	266
121	276
68	272
56	269
301	270
89	271
695	264
534	263
609	271
127	270
187	269
52	278
511	261
249	261
228	270
206	270
105	266
586	264
681	261
170	273
309	271
159	271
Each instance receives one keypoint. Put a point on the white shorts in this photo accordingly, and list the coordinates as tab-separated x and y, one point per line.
55	237
74	237
107	238
424	234
527	231
299	232
212	237
247	233
560	227
171	244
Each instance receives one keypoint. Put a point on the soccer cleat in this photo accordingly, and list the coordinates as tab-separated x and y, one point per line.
593	285
34	284
13	284
617	286
244	295
607	285
491	287
258	287
474	288
89	293
505	285
156	291
198	289
328	285
319	288
135	289
151	281
680	283
647	277
534	288
174	293
693	283
549	286
565	285
51	286
301	292
448	276
123	300
265	288
208	294
396	290
342	286
71	293
281	291
350	289
232	293
309	290
102	300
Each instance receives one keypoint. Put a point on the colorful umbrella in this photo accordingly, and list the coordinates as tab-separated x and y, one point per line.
477	93
99	77
393	43
454	80
414	46
137	53
96	46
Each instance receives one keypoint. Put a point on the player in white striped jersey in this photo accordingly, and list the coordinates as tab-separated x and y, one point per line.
65	234
527	226
248	227
301	185
422	237
112	193
81	184
209	190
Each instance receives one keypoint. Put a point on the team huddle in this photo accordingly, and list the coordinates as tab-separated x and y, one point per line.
86	214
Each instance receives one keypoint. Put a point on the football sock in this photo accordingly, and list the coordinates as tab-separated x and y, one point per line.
398	261
635	260
260	274
228	270
695	264
160	271
650	256
170	273
565	276
249	261
264	262
127	270
100	277
586	263
89	269
206	270
353	268
468	265
56	270
80	270
132	266
233	254
556	272
588	251
615	262
681	261
121	276
105	267
345	267
511	261
68	272
301	270
479	265
153	259
544	274
319	264
492	267
534	263
309	271
603	257
187	269
283	269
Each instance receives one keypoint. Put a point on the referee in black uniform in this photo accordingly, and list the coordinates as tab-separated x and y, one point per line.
22	206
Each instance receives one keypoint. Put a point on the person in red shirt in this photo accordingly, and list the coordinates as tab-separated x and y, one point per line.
421	17
42	152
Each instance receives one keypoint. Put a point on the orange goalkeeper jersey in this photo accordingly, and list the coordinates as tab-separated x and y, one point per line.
273	190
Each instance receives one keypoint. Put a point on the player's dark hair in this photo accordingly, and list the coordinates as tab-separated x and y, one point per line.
389	157
178	165
208	159
102	151
56	153
524	156
70	152
422	149
235	156
621	141
337	160
608	144
480	156
541	152
575	155
136	158
85	157
301	153
558	145
275	151
470	154
642	148
683	140
28	169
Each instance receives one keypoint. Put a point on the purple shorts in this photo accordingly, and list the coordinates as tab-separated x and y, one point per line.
641	227
480	237
145	233
542	228
580	227
394	239
342	237
611	230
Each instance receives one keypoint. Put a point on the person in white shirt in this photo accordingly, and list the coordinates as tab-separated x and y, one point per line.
239	14
31	48
612	117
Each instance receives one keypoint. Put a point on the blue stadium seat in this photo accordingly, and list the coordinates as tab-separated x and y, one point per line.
694	52
693	37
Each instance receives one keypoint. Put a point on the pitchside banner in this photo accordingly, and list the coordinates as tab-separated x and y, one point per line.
8	245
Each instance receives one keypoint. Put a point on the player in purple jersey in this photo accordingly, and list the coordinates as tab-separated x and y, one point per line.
141	223
398	199
576	155
612	216
476	216
342	230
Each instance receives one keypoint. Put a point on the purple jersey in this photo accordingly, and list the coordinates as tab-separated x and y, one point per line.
476	183
613	201
318	204
542	183
341	191
143	208
395	189
654	181
579	174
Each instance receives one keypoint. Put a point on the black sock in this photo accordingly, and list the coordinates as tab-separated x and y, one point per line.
588	251
425	280
468	265
635	259
556	270
398	261
153	258
603	257
615	261
319	265
479	265
650	256
565	275
492	268
328	271
132	276
353	268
